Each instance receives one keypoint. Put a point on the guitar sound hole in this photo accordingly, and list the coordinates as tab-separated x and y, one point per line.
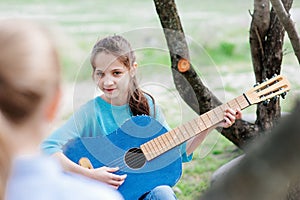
134	158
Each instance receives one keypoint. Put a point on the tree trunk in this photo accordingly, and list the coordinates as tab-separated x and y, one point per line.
188	83
266	41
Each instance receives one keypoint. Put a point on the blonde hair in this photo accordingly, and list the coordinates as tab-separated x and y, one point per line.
29	72
28	68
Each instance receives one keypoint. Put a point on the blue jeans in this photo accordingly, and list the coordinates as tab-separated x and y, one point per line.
163	192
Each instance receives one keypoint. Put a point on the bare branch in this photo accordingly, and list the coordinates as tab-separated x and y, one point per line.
288	25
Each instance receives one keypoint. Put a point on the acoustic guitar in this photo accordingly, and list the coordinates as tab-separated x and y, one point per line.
149	154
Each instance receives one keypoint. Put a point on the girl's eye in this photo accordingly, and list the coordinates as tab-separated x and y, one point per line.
117	73
99	74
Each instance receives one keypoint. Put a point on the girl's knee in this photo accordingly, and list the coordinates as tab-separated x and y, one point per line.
162	192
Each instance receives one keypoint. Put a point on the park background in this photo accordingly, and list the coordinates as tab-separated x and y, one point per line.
218	37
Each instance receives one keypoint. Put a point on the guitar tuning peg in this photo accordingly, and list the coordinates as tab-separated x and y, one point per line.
266	79
266	102
274	75
275	98
283	95
256	84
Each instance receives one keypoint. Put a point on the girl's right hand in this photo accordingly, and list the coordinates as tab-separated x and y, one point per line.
106	175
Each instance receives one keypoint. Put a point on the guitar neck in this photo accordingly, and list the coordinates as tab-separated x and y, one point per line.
179	135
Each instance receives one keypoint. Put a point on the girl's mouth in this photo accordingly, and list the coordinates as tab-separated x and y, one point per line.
109	90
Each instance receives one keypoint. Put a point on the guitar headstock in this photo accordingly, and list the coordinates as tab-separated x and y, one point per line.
273	87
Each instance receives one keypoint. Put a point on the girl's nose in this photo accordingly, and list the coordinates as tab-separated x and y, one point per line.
108	81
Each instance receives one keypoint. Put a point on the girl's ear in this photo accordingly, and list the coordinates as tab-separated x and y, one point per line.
52	108
135	65
133	70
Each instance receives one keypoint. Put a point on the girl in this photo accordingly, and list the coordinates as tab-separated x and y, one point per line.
29	93
114	71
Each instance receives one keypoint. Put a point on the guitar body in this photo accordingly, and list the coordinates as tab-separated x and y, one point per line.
121	149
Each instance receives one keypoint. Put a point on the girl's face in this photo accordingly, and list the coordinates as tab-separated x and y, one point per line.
113	78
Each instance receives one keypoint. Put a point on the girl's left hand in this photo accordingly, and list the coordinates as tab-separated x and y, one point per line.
230	116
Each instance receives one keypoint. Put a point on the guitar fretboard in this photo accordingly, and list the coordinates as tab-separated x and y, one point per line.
177	136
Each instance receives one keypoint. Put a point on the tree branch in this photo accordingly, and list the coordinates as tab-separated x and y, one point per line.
288	25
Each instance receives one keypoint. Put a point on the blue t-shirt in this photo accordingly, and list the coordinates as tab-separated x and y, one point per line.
95	118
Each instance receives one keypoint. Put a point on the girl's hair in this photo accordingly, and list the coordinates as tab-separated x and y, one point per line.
119	47
29	73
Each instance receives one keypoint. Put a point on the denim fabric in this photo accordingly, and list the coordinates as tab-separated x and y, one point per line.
162	192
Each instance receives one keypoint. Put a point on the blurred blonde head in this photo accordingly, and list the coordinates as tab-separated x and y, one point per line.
29	84
29	69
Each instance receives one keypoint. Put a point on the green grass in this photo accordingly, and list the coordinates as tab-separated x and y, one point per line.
196	174
218	32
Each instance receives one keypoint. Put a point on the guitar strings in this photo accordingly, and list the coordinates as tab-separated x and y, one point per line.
134	158
120	161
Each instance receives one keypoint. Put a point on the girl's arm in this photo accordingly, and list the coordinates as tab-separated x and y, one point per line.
103	174
230	116
73	128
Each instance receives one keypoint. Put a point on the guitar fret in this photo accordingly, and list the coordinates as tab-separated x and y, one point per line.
180	136
183	132
153	148
145	151
232	104
162	143
200	123
166	143
229	103
242	101
213	117
189	130
148	151
194	128
237	103
206	120
170	139
159	147
219	113
224	107
174	137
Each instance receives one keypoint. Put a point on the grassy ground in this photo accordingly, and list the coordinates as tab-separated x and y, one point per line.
218	40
